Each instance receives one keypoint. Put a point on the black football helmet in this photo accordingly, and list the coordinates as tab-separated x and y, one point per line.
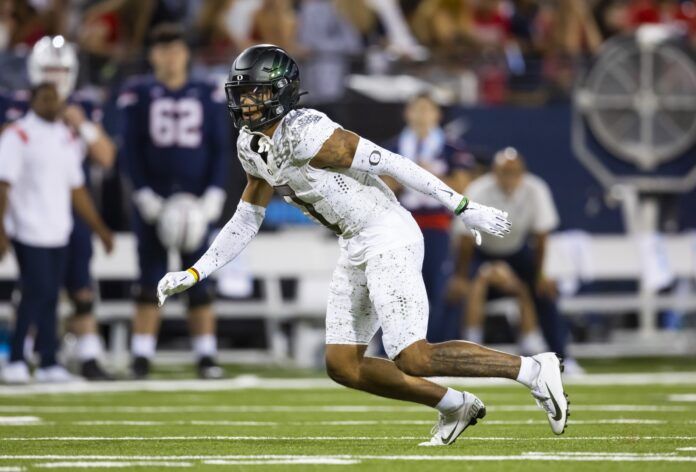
264	82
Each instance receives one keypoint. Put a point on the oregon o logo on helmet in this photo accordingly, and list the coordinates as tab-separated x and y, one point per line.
375	157
240	77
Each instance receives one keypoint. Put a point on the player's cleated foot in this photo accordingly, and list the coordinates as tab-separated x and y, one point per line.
209	369
140	367
91	370
55	374
16	373
548	391
449	427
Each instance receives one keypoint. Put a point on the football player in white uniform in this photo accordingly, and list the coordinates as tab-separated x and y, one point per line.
333	174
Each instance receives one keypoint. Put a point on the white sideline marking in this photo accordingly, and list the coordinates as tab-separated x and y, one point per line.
110	464
340	438
11	469
349	422
309	408
686	449
253	382
19	420
684	397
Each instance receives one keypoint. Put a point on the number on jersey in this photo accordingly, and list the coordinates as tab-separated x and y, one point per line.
176	122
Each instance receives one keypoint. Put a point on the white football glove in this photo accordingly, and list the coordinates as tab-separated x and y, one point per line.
484	218
173	283
149	204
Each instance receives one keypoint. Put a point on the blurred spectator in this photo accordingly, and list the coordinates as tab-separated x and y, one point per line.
570	36
35	19
7	23
328	41
399	40
491	26
445	26
533	215
276	23
213	38
240	19
423	140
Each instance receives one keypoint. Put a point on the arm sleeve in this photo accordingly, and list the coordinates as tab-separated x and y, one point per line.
374	159
232	239
546	216
131	135
10	155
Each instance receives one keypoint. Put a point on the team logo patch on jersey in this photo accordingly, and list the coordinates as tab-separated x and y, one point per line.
375	157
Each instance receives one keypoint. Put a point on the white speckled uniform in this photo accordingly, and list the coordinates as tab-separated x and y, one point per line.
378	281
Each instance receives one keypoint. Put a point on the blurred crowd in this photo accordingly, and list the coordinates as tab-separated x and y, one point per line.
486	51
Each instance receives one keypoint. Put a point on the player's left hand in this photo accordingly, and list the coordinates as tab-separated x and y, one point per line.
487	219
173	283
74	116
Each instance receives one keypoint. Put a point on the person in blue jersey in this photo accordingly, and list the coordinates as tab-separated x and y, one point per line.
54	60
175	140
424	142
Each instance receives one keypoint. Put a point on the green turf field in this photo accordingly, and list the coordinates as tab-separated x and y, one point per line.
309	425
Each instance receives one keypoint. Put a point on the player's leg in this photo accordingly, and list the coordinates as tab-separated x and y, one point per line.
152	261
82	323
351	323
31	286
398	296
202	322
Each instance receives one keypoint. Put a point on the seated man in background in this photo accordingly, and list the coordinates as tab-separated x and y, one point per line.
494	279
533	215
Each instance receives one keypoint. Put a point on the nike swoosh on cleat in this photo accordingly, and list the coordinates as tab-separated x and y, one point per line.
559	413
447	439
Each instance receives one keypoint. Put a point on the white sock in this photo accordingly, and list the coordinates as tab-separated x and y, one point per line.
143	345
205	345
529	371
474	334
88	347
452	400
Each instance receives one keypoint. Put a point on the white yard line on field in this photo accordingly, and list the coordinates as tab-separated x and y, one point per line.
39	409
683	397
110	464
19	420
251	381
338	438
350	422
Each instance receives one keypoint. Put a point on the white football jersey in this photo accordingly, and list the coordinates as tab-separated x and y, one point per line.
343	200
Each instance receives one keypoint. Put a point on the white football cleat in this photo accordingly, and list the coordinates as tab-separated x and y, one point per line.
548	391
449	427
55	374
16	373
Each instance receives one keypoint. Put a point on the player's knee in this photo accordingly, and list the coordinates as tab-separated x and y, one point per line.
415	359
82	302
344	373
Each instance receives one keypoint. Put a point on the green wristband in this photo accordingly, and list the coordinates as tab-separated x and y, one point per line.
462	206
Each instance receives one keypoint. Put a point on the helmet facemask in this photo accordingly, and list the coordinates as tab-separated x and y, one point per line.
259	105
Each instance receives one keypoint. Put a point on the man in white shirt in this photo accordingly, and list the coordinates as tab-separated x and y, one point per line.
528	201
41	179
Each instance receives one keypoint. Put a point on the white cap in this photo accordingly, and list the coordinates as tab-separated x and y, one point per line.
54	60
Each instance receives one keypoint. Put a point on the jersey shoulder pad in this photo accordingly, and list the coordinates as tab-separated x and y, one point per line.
302	133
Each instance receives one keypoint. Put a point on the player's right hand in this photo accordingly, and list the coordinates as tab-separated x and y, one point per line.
173	283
